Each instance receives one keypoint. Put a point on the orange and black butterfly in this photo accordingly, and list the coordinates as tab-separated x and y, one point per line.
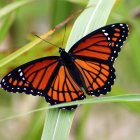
88	64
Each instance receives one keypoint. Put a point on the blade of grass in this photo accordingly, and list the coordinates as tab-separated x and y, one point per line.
53	109
24	49
36	41
91	19
97	19
8	20
13	6
51	131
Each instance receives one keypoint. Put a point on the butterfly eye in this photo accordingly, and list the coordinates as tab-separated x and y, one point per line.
61	50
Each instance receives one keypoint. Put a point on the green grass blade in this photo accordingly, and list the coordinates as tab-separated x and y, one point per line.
68	115
23	49
8	20
13	6
54	131
105	99
91	19
20	51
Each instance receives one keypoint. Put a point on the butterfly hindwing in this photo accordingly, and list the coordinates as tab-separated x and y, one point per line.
64	89
98	78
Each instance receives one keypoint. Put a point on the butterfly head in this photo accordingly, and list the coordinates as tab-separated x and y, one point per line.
61	50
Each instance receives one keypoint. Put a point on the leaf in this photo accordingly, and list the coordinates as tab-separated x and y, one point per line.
69	114
13	6
107	99
24	49
91	19
56	130
8	20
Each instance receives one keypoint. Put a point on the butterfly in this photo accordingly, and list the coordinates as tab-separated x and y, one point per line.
87	65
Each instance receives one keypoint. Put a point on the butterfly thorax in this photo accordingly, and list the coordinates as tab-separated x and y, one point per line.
68	61
66	57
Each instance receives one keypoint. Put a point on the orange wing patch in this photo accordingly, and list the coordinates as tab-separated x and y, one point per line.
97	77
90	41
95	46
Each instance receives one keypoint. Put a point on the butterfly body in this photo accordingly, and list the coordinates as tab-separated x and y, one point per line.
68	61
88	64
66	58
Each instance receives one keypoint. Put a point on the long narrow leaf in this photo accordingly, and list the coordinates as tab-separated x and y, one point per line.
54	131
8	20
91	19
55	111
13	6
24	49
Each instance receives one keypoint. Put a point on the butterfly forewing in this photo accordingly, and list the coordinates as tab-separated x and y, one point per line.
33	77
101	45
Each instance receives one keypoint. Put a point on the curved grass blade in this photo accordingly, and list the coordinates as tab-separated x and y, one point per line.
24	49
118	98
35	42
12	7
7	22
105	99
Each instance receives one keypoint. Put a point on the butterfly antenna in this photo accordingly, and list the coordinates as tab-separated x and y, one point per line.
64	35
46	41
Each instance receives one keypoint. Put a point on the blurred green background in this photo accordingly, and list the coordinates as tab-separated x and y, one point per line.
110	121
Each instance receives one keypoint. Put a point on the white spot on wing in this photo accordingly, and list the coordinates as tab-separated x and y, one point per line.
106	34
9	74
19	70
103	30
21	74
108	38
